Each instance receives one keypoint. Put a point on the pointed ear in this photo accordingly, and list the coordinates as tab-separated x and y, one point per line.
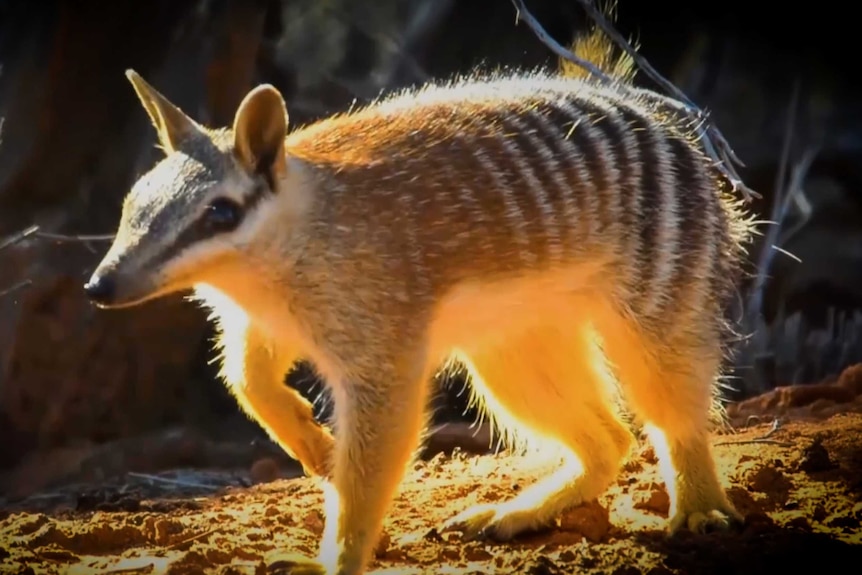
171	123
260	127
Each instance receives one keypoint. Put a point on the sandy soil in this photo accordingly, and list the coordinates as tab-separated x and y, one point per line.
793	466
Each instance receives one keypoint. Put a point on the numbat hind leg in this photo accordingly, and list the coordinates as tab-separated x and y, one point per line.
555	385
673	397
698	502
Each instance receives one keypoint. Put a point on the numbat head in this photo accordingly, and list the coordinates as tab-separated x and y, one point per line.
567	241
193	217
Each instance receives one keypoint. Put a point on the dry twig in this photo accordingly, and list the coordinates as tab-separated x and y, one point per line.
169	481
35	232
10	241
148	568
17	237
15	287
763	439
714	143
193	538
76	237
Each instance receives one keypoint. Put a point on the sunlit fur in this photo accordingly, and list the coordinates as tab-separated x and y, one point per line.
567	241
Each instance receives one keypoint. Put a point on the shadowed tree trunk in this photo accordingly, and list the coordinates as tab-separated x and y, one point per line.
74	138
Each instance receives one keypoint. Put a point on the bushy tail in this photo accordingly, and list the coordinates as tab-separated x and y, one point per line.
597	48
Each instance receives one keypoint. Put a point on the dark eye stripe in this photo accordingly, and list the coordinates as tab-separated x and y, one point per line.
197	232
194	233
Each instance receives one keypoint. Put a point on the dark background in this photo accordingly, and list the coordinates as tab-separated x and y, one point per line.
74	138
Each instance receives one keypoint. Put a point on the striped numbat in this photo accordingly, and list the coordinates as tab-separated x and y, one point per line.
568	241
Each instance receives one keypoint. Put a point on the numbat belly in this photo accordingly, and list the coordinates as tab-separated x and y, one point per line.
567	241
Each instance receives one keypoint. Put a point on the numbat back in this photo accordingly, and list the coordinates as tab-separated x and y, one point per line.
567	241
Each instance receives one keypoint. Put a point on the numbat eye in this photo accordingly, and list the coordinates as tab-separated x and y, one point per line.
223	215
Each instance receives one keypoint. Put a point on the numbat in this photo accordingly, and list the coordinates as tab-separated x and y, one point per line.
566	240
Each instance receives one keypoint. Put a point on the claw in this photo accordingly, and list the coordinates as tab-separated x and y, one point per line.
712	521
472	524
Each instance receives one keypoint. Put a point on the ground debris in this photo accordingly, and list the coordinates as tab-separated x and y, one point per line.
798	501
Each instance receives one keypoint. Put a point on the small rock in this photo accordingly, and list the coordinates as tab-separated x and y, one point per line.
476	553
768	479
843	522
265	470
590	520
568	556
816	458
218	556
851	379
742	499
655	500
820	513
314	522
450	554
649	455
158	530
27	524
800	523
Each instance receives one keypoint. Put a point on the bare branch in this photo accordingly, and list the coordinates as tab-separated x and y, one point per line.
34	231
17	237
180	482
785	196
76	237
755	297
521	13
14	287
784	162
714	143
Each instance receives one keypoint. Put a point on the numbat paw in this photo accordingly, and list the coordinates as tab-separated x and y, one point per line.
295	565
491	522
714	520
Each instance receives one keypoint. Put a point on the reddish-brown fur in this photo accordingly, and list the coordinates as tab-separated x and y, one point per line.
568	242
